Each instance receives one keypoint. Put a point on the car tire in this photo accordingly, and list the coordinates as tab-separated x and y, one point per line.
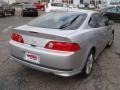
111	40
88	65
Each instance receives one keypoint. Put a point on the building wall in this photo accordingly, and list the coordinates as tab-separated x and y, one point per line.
31	1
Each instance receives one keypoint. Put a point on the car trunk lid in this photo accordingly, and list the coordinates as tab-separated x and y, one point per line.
39	37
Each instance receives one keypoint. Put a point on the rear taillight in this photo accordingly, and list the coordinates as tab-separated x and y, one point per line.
17	37
62	46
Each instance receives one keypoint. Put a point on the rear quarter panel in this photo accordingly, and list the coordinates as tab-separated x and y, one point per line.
87	39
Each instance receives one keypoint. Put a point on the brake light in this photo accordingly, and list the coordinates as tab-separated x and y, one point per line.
17	37
62	46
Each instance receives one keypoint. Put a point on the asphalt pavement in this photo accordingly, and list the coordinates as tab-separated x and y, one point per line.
14	76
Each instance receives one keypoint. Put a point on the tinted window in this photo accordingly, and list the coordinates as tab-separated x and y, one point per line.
100	19
97	20
93	22
59	20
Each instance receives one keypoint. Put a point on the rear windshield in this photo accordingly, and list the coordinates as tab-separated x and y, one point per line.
57	4
59	20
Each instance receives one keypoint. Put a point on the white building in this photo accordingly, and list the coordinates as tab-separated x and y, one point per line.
77	2
104	3
113	2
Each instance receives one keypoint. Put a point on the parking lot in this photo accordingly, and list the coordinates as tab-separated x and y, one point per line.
14	76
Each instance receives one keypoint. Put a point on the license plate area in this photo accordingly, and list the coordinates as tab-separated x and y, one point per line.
32	57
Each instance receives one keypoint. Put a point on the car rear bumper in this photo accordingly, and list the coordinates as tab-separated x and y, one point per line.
63	64
63	73
30	12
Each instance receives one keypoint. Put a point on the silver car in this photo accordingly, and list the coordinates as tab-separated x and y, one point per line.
62	43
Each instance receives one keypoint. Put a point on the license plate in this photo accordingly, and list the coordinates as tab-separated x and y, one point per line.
32	57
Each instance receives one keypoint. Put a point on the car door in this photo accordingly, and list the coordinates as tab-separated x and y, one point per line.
99	32
105	27
109	29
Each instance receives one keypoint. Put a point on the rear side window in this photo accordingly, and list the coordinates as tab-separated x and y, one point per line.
97	20
59	20
93	22
100	19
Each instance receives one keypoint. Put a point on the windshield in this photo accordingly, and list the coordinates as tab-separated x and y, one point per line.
59	20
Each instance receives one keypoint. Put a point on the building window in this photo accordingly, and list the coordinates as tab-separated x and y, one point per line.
68	1
81	1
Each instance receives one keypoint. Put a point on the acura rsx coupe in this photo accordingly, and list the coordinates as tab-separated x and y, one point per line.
62	43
